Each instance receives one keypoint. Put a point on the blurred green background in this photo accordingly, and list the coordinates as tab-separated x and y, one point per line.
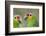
23	11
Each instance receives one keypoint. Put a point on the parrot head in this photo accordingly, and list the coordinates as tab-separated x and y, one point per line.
28	16
17	18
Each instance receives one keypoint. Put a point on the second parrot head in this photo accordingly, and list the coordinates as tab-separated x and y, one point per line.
28	16
17	18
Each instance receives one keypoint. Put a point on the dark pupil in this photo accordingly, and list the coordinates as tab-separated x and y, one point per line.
27	14
30	14
15	17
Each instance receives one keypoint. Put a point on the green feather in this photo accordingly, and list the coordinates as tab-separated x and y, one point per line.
32	22
15	23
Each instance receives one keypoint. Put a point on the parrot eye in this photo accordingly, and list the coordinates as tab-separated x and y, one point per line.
30	15
15	17
27	14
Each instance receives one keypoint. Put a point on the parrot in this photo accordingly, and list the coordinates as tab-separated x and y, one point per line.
31	20
16	21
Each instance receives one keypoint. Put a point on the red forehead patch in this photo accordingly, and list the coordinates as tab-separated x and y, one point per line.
18	17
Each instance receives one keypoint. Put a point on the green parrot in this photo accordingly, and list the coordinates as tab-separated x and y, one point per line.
31	20
16	21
